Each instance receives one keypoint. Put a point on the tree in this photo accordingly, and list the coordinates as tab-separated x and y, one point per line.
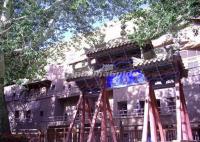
28	28
4	123
32	26
158	17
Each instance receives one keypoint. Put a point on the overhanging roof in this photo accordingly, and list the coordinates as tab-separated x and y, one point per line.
111	45
144	66
38	84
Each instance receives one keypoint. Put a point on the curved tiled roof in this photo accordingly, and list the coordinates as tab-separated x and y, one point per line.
140	65
115	43
38	83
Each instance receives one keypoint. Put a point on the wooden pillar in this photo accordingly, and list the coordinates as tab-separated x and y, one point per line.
189	129
114	135
88	109
4	121
104	117
104	105
89	114
183	124
74	117
55	137
152	120
121	131
151	114
156	114
188	126
64	135
184	131
82	130
46	135
178	114
90	136
146	116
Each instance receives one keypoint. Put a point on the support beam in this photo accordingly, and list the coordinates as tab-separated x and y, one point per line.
74	117
89	114
184	131
152	121
178	114
4	121
146	116
82	130
121	131
188	126
114	135
151	114
104	118
88	110
183	124
157	115
104	105
189	129
94	118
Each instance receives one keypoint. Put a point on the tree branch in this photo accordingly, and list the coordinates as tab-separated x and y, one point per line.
6	30
13	20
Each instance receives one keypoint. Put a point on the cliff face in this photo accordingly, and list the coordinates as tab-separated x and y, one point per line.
187	38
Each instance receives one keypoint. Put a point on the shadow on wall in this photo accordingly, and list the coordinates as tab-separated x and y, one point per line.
192	95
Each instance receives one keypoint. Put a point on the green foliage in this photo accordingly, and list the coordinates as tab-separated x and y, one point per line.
33	25
19	43
160	17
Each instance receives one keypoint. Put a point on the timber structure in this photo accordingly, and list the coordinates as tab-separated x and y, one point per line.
121	56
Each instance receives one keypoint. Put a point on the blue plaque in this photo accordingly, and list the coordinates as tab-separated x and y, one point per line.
124	79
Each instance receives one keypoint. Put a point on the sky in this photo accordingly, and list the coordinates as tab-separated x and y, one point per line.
97	24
